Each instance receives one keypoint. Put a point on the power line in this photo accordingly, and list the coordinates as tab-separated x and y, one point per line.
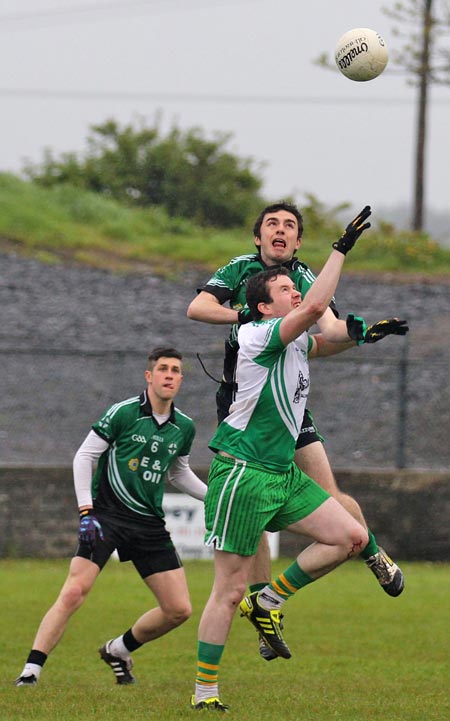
127	96
205	98
106	11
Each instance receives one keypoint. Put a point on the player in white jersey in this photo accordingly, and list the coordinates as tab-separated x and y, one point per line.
254	483
277	235
134	444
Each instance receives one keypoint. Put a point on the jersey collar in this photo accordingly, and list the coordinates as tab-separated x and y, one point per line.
146	408
292	264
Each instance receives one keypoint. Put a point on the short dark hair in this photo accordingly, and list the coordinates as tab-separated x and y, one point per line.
275	208
257	290
162	352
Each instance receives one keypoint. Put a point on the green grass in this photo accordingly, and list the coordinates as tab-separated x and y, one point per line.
358	655
66	224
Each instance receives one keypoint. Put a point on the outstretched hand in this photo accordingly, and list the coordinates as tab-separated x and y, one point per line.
353	231
380	330
361	333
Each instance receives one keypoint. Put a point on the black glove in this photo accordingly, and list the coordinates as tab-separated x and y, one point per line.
90	528
356	328
244	316
353	231
359	331
380	330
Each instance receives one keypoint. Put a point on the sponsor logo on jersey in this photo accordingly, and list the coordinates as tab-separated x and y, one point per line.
154	474
155	437
302	385
151	476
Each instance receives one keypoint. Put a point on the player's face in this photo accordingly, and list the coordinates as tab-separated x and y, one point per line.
285	297
165	378
279	240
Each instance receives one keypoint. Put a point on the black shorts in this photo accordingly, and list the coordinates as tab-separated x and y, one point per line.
148	545
308	433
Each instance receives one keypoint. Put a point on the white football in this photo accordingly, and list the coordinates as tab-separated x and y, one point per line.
361	54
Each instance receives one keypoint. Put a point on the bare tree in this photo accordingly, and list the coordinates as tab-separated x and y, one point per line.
422	24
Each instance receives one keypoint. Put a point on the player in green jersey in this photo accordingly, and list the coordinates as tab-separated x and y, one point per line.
254	483
277	235
135	444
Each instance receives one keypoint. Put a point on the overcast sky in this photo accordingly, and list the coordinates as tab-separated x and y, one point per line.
240	66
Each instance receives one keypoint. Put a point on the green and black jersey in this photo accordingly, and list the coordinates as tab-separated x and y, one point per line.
228	284
130	473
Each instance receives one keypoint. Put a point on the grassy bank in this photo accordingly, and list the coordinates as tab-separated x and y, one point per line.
66	224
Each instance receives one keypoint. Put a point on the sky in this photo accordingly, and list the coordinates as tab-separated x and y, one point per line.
243	67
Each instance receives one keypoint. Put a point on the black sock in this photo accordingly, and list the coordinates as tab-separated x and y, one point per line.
130	641
37	657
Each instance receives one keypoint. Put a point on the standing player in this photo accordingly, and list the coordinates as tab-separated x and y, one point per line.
278	235
136	442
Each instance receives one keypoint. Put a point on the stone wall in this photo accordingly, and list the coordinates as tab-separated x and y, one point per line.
407	510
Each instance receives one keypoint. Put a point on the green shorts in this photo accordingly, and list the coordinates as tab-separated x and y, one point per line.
244	500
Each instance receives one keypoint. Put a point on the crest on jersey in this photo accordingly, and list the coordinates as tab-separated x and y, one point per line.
302	385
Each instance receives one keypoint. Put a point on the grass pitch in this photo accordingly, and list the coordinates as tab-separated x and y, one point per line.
358	655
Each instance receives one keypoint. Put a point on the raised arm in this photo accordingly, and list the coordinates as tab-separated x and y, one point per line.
316	301
322	347
355	328
319	296
333	329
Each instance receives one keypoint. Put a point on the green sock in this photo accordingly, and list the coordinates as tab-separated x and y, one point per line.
209	655
257	587
371	548
290	581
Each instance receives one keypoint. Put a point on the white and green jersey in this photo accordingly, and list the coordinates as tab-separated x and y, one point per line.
139	454
273	384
